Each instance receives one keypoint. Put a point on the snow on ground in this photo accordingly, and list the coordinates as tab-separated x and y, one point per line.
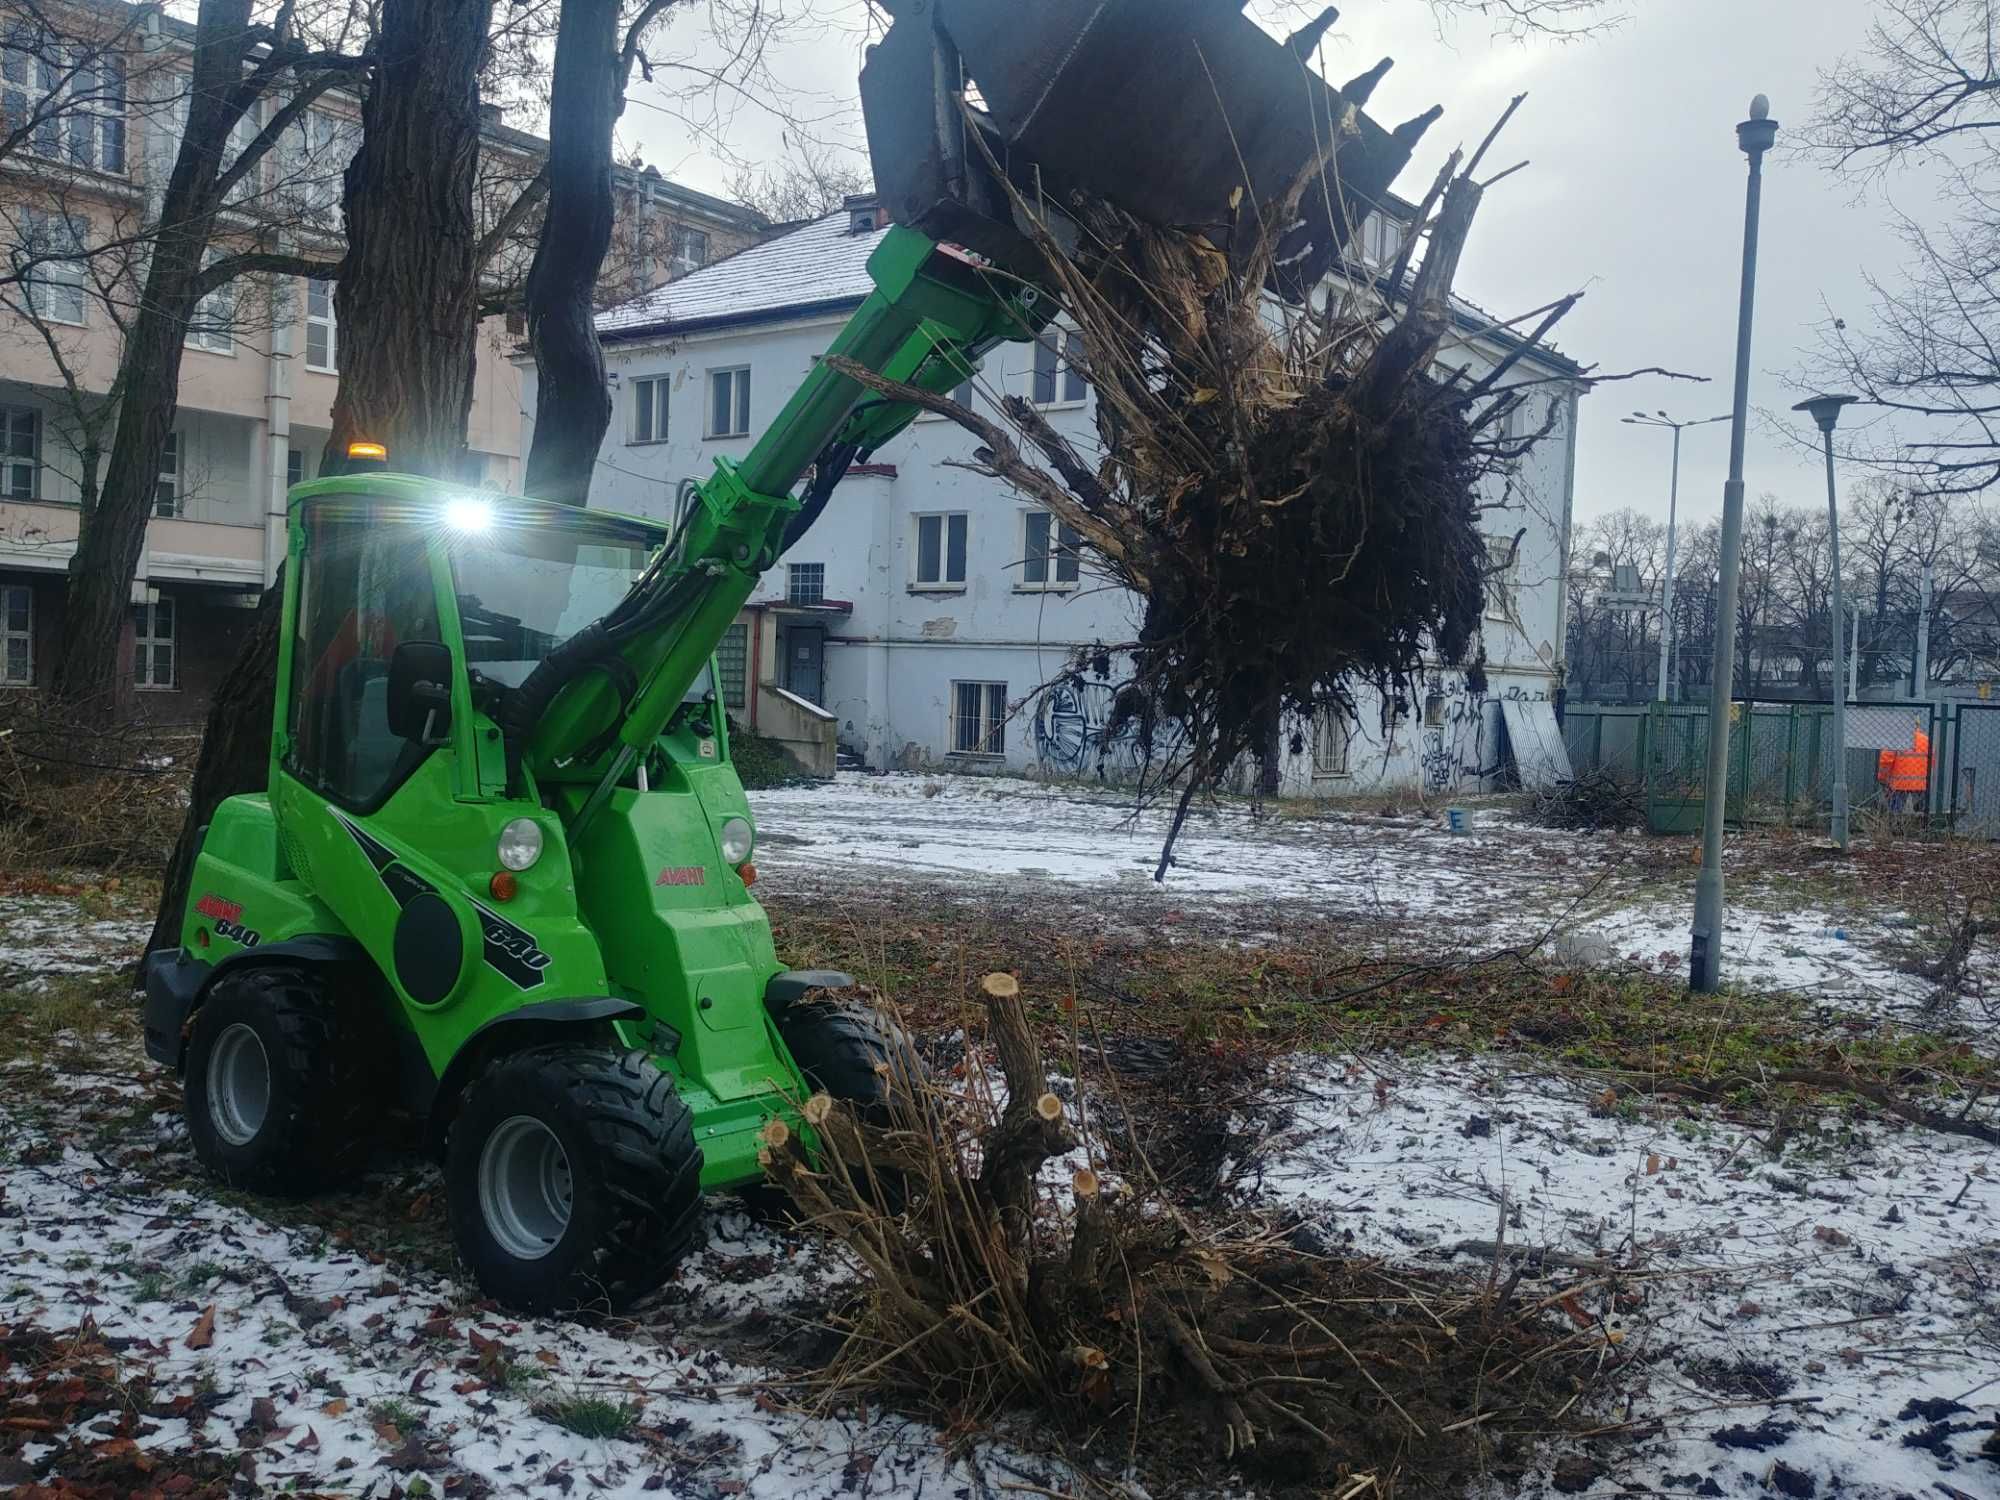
1834	1309
43	935
342	1374
1409	882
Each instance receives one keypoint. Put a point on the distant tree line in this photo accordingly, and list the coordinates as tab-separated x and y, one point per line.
1888	536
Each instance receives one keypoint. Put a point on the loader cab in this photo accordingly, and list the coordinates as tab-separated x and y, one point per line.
412	608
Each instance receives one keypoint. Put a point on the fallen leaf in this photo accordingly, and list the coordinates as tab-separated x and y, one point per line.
1577	1315
1652	1164
418	1381
389	1433
1826	1234
419	1206
264	1412
307	1444
467	1387
547	1358
203	1333
335	1407
437	1328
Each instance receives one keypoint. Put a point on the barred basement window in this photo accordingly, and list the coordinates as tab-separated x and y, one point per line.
1331	739
979	718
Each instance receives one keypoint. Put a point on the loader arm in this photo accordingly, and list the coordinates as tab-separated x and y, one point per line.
592	708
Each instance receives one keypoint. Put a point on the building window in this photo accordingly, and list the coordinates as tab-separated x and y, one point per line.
1331	738
21	464
1381	240
1047	565
213	326
979	718
153	644
690	249
732	665
1503	566
295	467
941	551
322	335
55	287
313	160
649	409
729	402
167	488
74	97
1058	381
805	583
17	635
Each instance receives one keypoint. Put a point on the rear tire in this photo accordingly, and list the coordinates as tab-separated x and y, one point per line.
276	1094
848	1052
852	1053
573	1179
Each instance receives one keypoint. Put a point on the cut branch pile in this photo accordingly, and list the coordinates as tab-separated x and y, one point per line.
1004	1272
76	790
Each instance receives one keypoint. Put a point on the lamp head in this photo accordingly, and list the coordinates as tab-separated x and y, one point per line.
1825	410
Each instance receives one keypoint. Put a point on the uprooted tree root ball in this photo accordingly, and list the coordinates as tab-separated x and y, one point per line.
996	1283
1294	490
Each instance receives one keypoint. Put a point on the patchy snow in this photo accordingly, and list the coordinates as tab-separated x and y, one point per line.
340	1373
44	935
1792	1308
1402	880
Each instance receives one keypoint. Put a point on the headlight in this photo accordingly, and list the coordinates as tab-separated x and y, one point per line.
520	843
736	839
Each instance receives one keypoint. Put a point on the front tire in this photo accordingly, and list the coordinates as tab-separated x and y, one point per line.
572	1179
276	1097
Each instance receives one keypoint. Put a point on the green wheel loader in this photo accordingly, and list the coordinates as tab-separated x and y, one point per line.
499	876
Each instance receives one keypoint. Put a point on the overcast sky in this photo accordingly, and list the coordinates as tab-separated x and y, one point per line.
1634	195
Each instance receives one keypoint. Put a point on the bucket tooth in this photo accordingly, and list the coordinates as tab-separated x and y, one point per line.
1357	89
1412	130
1306	38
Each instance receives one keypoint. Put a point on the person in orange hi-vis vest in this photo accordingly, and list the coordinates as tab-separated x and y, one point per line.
1905	775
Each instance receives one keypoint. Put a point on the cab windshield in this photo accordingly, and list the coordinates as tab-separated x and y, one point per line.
525	585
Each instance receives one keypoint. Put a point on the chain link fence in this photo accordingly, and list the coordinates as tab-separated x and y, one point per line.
1909	759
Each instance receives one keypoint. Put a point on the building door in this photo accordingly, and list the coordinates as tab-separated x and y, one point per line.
805	661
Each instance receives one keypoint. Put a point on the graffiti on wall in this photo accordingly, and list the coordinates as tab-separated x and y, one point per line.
1074	737
1458	747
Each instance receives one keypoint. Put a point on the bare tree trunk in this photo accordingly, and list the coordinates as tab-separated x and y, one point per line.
235	755
408	305
408	296
114	530
572	403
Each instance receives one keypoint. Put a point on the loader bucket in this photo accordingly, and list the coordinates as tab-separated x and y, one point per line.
1165	108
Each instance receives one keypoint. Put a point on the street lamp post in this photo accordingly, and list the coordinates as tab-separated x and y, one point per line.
1825	410
1754	136
1661	419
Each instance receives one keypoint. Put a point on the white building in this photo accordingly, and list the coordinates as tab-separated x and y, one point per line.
931	613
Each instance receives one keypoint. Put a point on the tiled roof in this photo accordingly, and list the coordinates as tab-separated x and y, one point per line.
819	265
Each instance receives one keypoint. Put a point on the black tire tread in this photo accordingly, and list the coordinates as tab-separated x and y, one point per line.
329	1140
642	1133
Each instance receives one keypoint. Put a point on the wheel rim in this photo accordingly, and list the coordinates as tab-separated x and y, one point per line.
239	1084
524	1187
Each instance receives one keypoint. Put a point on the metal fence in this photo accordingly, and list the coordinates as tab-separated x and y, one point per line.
1919	759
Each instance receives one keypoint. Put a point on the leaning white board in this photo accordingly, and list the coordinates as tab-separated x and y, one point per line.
1539	751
